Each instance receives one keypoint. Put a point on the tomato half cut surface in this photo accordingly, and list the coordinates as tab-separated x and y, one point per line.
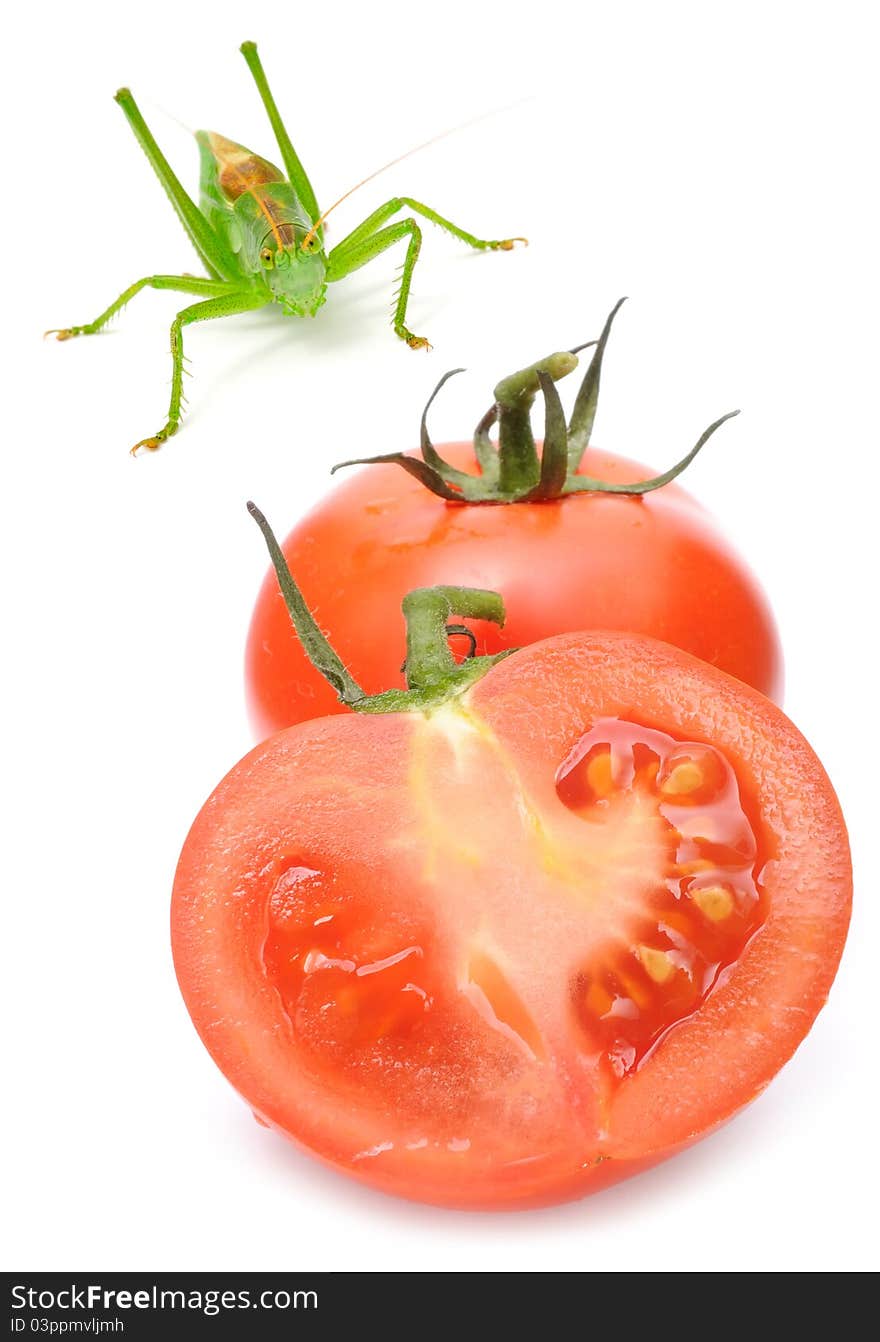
509	951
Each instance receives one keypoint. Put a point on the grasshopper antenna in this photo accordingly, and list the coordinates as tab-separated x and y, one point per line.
426	144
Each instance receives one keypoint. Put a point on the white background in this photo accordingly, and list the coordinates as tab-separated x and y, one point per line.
717	162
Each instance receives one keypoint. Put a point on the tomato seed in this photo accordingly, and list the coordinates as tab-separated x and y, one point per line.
657	964
715	901
697	921
684	778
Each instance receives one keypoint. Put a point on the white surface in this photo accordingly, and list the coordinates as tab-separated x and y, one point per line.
717	163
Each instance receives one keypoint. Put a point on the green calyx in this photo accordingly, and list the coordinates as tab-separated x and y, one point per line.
433	676
511	469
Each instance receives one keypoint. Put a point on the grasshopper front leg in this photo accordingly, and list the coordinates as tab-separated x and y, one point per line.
184	284
227	305
343	261
369	239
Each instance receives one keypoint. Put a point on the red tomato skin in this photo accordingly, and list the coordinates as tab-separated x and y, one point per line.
290	795
654	565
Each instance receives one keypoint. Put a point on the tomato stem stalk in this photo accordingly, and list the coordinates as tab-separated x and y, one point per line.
427	610
433	676
513	471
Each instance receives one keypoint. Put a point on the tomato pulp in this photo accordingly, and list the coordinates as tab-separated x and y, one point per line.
510	950
653	564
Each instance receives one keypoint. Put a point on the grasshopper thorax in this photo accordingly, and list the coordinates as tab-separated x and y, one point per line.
267	223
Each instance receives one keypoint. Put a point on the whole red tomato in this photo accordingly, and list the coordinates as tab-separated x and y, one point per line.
649	563
518	931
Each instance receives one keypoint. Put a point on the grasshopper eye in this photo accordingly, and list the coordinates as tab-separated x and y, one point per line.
310	242
267	256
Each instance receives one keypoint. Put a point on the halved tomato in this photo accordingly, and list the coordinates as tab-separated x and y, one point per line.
507	950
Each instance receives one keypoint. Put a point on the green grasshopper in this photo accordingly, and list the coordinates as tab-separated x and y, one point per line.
260	236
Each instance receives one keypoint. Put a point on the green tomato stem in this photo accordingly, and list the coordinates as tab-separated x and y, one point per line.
519	464
315	644
430	665
432	674
512	471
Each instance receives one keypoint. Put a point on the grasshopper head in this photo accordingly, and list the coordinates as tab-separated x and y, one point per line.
296	276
